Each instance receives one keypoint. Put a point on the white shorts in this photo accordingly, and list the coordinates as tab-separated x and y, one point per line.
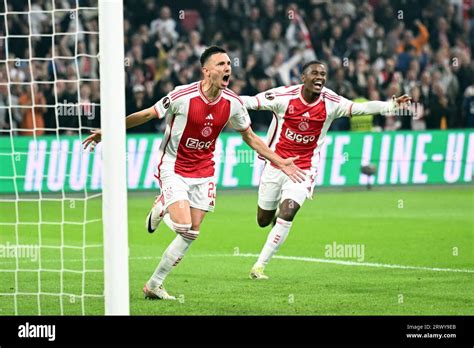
199	192
276	186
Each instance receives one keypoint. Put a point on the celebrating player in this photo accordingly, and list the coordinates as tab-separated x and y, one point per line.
303	114
195	115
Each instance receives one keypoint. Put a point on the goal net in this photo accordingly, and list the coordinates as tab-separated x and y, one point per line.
51	234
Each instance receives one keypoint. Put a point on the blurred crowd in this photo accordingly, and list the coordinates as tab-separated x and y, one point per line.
373	49
49	74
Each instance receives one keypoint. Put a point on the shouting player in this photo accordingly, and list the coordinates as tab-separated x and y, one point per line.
195	115
302	116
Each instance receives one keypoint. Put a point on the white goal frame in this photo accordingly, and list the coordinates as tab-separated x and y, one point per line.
114	203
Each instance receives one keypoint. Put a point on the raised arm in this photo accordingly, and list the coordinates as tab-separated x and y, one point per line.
379	107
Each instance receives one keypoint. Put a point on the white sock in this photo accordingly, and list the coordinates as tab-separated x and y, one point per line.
171	257
275	239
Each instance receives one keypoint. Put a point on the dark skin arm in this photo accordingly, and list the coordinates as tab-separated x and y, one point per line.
285	165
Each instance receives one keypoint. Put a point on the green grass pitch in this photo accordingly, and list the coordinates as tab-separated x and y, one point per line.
421	227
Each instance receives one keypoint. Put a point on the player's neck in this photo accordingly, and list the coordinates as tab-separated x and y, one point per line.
210	91
309	96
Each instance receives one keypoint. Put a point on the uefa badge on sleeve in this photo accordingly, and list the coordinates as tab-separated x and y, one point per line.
166	102
270	95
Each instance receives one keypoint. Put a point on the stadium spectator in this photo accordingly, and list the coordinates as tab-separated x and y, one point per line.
468	106
166	26
417	42
140	101
280	70
417	110
275	44
33	111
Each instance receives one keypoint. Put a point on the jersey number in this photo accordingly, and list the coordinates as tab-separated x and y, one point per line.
211	192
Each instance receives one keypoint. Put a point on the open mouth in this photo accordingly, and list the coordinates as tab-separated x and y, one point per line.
226	77
318	84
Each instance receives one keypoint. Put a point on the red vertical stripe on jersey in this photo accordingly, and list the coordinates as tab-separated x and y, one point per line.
164	148
274	131
273	136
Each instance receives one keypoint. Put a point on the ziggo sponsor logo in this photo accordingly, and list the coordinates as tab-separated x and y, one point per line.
192	143
298	137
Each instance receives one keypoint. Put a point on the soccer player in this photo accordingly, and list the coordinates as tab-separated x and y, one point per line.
195	115
302	116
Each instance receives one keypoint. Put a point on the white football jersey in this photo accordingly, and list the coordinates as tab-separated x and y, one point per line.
193	124
299	128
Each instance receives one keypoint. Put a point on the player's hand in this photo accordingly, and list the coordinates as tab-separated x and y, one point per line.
294	172
402	102
93	139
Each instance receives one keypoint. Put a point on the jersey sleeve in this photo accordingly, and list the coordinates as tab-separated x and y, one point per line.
272	100
239	117
339	106
342	107
165	106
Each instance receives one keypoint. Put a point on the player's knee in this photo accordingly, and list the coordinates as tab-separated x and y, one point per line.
263	221
181	221
288	210
287	215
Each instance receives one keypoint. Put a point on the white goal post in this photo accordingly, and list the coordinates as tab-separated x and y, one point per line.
114	191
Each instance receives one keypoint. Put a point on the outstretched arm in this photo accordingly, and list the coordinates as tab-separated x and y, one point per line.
379	107
140	117
133	120
285	165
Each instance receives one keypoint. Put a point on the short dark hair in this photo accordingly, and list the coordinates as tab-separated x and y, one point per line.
209	52
307	65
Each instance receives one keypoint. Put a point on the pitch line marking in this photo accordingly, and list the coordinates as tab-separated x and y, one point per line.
282	257
363	264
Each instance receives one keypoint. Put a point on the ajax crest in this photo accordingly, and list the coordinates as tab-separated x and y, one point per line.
169	193
303	126
206	132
